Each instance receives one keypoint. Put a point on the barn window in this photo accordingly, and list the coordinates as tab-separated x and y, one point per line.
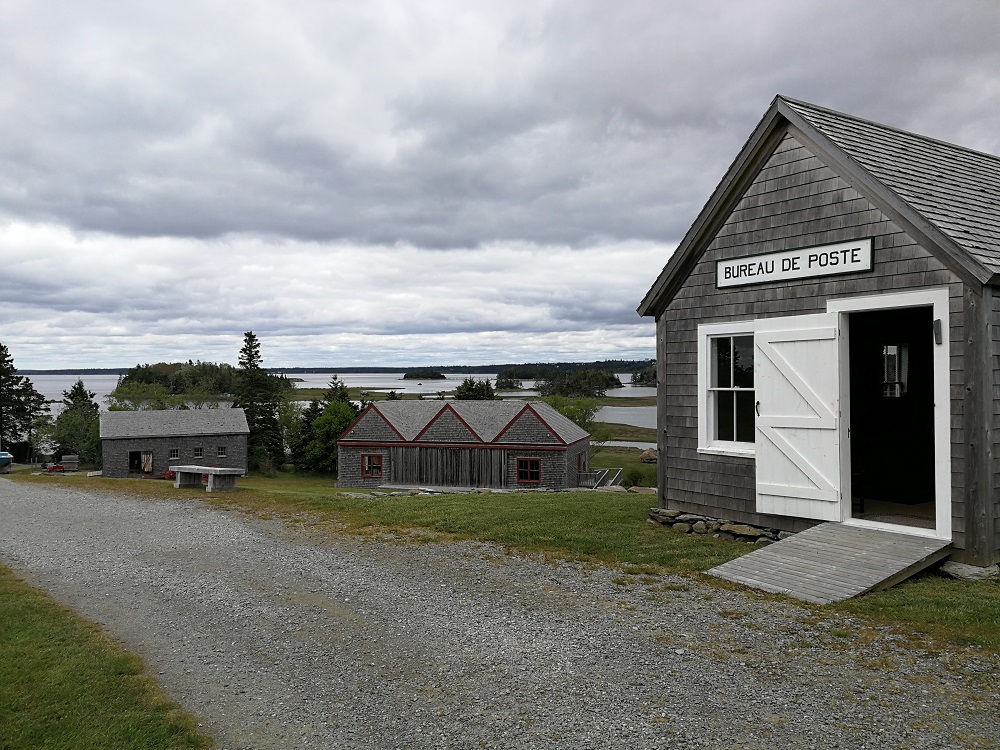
371	465
175	453
726	413
221	451
529	470
199	452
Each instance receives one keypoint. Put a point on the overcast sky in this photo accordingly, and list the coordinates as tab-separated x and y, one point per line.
411	183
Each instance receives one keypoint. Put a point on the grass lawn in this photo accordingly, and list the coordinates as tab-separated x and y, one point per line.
607	528
616	431
64	685
627	459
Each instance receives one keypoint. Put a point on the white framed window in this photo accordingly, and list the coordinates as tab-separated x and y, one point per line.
175	453
221	452
726	407
199	452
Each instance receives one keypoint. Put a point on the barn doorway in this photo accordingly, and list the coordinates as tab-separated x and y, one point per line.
892	420
140	462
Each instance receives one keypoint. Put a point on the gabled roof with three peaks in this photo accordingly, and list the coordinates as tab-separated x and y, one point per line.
487	420
945	196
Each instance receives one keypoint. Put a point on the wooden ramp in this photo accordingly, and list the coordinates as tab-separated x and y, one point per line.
831	562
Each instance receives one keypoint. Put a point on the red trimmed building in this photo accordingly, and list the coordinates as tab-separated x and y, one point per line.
497	444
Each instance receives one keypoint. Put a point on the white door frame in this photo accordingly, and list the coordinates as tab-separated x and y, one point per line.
936	298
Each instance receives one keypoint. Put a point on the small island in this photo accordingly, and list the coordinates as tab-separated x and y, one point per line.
424	375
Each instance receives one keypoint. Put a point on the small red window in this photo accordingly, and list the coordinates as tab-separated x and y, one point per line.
529	470
371	465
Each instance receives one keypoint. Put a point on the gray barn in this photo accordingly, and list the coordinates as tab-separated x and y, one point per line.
828	336
143	443
463	444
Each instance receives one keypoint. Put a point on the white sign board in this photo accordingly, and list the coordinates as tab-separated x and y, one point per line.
823	260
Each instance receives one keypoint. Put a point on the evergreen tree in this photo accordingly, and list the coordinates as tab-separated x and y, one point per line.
320	453
322	424
474	390
20	404
77	428
259	395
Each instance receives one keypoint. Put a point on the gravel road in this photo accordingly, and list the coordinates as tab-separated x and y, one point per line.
276	636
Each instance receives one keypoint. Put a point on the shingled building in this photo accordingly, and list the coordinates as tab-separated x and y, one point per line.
463	444
828	336
143	443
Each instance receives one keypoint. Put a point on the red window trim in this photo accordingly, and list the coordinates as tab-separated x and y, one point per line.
370	474
531	466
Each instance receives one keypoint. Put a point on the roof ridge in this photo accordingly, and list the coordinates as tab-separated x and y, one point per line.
797	103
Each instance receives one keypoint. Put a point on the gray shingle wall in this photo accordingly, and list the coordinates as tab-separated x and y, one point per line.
372	426
447	428
349	467
528	430
553	469
995	423
795	202
573	454
114	452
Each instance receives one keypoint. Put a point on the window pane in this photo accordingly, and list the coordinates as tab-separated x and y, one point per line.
723	363
745	416
724	427
743	361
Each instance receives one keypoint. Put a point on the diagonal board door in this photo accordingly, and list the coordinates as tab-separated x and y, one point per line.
797	383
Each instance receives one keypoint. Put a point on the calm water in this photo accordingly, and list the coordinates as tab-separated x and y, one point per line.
52	387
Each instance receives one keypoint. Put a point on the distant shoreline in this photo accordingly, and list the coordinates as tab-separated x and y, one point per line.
615	365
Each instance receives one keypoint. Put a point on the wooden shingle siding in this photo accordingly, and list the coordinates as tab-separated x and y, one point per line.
349	466
447	428
371	426
528	429
795	201
114	452
994	323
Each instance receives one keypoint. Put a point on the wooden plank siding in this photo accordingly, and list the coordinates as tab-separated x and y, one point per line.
448	467
795	201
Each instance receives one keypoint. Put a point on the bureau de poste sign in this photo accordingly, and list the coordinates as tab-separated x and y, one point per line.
823	260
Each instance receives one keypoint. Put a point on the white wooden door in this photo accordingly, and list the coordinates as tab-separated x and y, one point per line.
797	384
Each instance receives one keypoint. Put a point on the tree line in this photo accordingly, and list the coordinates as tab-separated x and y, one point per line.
281	429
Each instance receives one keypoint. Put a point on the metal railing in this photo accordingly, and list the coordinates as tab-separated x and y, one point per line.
600	478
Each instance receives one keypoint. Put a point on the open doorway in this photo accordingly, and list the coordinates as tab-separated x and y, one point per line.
892	416
140	462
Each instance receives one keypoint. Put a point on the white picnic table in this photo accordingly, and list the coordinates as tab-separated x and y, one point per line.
219	479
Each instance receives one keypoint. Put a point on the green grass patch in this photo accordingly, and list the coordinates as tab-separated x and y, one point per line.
64	685
966	613
634	471
616	431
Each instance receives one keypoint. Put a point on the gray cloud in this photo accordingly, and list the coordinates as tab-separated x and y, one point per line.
509	176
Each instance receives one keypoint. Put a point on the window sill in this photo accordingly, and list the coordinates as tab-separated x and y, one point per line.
737	450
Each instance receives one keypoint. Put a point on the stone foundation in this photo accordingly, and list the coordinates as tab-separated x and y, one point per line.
720	528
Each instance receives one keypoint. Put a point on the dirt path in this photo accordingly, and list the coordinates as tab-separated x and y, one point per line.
278	639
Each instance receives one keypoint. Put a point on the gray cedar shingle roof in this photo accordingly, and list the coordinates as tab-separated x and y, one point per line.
946	196
486	418
955	188
173	423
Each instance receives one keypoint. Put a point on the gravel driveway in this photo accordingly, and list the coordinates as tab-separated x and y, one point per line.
276	637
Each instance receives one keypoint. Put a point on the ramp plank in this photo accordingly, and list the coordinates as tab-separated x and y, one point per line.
831	562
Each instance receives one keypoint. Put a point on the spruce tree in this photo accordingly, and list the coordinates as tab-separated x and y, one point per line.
259	395
77	428
20	404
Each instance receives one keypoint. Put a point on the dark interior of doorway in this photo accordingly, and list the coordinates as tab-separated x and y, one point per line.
892	416
140	462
